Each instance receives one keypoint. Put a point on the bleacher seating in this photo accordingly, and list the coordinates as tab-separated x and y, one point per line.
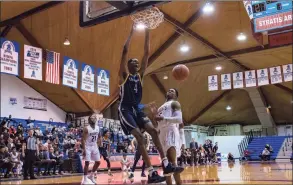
257	145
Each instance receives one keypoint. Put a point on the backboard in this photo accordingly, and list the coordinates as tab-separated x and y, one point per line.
97	12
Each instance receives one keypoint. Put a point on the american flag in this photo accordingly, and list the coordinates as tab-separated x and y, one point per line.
52	71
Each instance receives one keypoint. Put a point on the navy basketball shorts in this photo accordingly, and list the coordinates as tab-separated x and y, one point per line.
131	118
103	152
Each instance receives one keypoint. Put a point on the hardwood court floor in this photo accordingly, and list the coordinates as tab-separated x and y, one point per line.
250	173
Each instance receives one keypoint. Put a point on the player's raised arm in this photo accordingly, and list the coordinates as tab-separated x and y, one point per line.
123	64
145	59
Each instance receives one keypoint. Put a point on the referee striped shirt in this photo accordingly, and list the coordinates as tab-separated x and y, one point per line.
31	143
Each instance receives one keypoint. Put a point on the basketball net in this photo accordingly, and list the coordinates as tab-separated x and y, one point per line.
150	18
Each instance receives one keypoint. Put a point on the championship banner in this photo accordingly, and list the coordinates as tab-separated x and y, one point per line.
250	79
87	78
225	81
70	72
238	80
103	82
287	72
248	8
213	83
9	57
35	103
32	62
276	75
262	77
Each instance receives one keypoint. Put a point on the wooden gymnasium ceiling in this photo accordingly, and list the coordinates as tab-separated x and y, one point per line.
208	35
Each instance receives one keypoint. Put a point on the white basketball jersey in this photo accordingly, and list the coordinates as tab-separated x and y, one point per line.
93	135
166	111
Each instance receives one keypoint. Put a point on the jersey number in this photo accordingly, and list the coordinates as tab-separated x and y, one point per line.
135	88
94	138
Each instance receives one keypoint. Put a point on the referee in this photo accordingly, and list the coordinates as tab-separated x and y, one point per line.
29	154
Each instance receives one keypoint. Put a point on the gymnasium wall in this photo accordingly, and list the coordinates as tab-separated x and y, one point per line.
284	130
13	87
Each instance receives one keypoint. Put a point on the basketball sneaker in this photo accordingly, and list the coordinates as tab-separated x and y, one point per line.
131	176
87	181
93	179
155	178
170	169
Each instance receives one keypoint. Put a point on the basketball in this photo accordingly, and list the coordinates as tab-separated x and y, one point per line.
180	72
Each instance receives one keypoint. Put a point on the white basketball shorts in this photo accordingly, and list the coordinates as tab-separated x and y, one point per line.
170	137
92	153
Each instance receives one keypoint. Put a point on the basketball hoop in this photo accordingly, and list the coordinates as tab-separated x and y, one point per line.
150	18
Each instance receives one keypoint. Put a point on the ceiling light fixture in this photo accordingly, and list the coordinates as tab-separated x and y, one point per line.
218	68
184	48
241	37
208	8
228	108
165	77
140	26
66	42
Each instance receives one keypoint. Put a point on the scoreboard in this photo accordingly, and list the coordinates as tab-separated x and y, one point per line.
269	15
264	8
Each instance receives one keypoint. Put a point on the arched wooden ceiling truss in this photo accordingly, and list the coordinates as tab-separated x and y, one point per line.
212	41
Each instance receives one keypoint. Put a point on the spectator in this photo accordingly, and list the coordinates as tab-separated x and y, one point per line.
18	145
125	163
10	144
15	159
265	155
43	161
270	148
19	130
5	162
230	158
12	131
193	149
58	161
214	152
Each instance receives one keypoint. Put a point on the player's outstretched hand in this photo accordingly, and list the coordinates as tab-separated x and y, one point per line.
152	107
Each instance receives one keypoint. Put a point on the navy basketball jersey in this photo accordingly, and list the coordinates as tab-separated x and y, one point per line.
106	143
131	90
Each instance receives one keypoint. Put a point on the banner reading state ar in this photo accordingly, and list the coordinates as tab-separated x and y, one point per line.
32	62
88	78
103	82
9	56
70	72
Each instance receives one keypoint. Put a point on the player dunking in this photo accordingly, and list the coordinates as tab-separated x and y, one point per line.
105	150
169	118
133	119
91	152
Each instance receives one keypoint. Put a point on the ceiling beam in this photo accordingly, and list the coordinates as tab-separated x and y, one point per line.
32	40
18	18
211	46
202	40
174	37
229	53
206	108
5	31
158	83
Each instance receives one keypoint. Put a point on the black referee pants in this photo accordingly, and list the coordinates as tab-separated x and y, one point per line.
29	160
